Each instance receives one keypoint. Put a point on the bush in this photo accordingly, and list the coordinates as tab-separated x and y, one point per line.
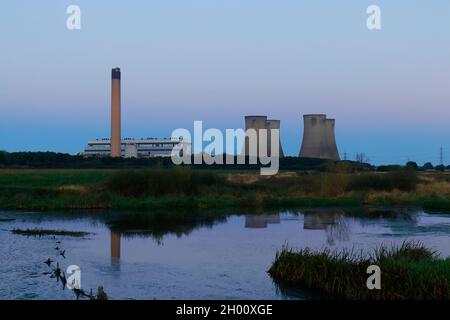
412	165
428	166
158	182
405	180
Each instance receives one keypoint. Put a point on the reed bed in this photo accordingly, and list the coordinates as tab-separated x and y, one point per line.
408	272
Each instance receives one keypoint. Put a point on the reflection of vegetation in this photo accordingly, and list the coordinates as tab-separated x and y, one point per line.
45	232
363	213
338	231
159	224
410	271
336	223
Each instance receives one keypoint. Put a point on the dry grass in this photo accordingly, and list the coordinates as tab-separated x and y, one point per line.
433	187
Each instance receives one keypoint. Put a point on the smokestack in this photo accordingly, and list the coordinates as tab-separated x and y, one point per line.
318	138
116	143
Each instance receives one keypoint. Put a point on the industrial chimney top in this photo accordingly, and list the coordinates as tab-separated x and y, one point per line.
115	73
314	115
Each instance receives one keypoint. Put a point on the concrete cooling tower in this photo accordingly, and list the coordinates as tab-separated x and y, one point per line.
318	138
273	124
115	114
257	123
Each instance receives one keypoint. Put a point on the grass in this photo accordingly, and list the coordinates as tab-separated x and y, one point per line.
409	271
35	189
51	178
48	232
160	182
403	179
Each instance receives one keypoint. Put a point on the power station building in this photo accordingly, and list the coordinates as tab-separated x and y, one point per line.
117	147
319	140
135	148
257	123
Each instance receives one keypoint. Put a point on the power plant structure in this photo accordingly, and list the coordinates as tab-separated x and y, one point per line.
117	147
136	148
319	140
257	123
115	114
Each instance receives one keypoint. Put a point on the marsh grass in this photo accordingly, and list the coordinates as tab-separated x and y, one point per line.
160	182
404	179
409	271
48	232
197	188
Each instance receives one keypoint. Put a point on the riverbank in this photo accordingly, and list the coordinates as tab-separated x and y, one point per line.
34	189
408	272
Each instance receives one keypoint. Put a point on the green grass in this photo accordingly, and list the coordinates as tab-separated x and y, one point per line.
405	180
426	202
311	202
52	178
410	271
186	188
160	182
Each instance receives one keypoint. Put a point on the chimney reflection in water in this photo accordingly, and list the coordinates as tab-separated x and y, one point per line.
115	246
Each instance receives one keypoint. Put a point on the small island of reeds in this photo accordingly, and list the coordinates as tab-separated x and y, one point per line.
408	272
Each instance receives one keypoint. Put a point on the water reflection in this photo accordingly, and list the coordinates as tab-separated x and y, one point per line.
336	226
115	245
124	252
318	220
261	220
159	224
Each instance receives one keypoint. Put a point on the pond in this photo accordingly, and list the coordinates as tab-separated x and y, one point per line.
216	255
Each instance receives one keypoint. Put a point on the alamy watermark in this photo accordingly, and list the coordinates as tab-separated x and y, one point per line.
374	19
73	21
261	146
74	277
374	280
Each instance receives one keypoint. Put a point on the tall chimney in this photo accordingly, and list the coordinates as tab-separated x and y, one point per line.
115	114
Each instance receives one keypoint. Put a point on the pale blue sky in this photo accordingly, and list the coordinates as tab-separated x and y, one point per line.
216	61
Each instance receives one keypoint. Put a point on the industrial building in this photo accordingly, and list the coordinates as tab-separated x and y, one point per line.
135	148
117	147
257	123
319	140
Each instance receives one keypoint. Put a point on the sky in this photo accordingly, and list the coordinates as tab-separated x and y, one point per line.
217	61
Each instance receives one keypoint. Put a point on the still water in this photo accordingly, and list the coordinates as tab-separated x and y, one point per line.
171	256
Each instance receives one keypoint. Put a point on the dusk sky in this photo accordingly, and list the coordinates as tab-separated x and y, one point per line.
217	61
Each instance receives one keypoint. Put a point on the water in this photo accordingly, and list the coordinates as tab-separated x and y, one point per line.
218	256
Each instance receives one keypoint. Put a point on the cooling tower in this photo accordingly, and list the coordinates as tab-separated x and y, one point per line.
115	113
273	124
257	123
318	138
330	142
